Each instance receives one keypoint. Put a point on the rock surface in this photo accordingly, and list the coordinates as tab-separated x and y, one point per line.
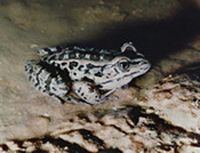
167	122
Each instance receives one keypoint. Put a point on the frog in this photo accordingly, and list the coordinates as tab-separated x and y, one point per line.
86	75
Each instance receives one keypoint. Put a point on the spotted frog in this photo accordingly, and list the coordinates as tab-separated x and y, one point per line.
85	75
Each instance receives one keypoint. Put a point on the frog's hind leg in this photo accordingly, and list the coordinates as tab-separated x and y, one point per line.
50	83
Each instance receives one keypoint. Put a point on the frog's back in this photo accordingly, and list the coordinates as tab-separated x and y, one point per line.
64	52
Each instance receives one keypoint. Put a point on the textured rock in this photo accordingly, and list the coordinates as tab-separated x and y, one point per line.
167	122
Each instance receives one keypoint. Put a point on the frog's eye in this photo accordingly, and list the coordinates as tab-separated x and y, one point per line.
123	64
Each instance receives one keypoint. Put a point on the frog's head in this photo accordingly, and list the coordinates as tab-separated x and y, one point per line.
131	63
127	65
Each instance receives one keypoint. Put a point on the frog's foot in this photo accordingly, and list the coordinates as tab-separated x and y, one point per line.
89	93
44	81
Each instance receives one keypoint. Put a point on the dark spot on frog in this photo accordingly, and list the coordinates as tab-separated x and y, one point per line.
45	58
64	63
74	74
39	88
68	98
99	74
73	64
85	98
79	90
107	81
36	85
90	66
58	48
80	67
82	94
54	64
29	78
47	50
86	71
91	89
108	75
28	70
119	79
99	86
54	89
117	72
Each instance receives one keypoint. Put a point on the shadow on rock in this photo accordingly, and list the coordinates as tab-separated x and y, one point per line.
154	39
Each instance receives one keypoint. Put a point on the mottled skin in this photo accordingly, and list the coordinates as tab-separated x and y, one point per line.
84	75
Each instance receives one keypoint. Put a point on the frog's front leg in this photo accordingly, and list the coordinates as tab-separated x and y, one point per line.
89	93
